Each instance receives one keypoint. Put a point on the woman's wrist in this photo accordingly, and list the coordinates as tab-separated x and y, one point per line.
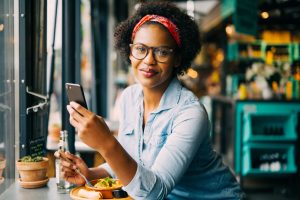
107	145
90	175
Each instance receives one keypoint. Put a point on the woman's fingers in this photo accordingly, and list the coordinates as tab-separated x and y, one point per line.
80	109
75	114
64	159
75	159
68	160
79	120
70	156
67	173
89	125
79	163
56	154
69	170
67	164
73	178
74	123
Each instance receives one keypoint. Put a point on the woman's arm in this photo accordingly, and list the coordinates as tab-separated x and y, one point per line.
93	131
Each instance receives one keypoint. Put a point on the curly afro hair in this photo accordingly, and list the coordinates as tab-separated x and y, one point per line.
188	31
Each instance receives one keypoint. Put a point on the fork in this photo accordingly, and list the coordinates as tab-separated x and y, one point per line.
83	176
77	171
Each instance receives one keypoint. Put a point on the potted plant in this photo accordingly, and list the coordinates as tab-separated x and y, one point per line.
32	171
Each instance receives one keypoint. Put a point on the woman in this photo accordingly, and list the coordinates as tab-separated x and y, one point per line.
163	149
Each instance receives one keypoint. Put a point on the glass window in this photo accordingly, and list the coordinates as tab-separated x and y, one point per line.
7	97
54	124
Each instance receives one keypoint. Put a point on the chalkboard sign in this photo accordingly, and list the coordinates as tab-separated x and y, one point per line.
37	147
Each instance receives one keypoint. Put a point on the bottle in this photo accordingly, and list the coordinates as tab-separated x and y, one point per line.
242	92
62	185
289	90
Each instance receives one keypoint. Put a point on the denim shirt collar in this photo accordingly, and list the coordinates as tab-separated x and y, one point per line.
170	97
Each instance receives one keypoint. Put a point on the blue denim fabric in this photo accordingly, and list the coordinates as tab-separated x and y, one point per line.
174	152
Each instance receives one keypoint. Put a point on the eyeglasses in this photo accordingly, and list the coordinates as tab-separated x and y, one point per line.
161	54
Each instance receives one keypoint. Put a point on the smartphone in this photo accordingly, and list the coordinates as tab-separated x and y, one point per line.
75	93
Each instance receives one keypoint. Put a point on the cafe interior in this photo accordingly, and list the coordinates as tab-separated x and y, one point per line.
247	76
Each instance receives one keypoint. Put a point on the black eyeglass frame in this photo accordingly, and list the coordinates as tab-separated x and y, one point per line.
170	51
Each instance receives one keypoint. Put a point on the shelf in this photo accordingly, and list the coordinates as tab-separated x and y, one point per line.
245	51
262	51
279	126
268	159
277	52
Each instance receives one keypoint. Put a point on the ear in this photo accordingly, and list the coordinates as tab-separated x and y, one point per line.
177	62
130	57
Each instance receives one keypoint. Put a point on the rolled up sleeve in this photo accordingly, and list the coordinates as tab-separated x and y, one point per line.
146	185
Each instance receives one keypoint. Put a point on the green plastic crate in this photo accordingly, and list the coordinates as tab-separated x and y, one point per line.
267	108
263	159
280	126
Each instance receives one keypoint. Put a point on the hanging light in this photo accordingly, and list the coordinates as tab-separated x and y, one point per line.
190	5
192	73
229	29
264	15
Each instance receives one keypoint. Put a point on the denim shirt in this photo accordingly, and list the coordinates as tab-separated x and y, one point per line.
174	153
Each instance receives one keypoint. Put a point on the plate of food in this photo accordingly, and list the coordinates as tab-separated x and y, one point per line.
105	186
82	193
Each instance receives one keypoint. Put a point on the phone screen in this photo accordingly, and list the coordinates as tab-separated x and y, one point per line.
75	93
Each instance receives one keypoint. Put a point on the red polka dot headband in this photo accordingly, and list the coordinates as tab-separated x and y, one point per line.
172	28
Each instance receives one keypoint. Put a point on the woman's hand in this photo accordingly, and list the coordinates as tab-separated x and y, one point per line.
69	163
92	129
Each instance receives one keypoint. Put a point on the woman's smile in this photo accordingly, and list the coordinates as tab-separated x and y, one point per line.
148	72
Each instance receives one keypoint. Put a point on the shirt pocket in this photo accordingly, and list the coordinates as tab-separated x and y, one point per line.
128	131
128	139
126	134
